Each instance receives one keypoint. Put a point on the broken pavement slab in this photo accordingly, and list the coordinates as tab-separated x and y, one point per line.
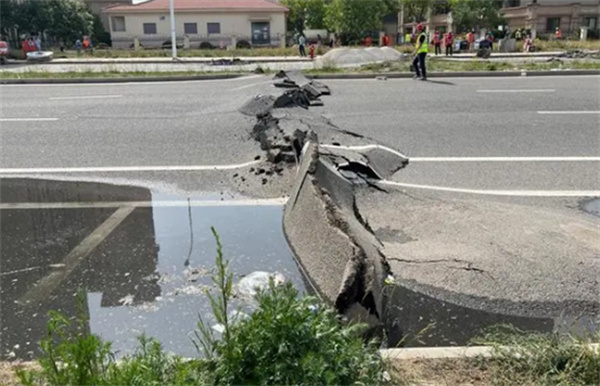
497	257
335	248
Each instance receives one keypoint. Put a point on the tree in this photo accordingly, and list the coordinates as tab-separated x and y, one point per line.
416	10
468	14
58	19
354	18
305	14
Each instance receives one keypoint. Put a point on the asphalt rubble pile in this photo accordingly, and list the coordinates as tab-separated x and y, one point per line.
292	133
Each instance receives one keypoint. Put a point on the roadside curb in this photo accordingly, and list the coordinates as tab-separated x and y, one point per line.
466	74
204	60
136	79
217	76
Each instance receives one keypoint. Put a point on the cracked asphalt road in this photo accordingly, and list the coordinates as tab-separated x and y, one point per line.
195	124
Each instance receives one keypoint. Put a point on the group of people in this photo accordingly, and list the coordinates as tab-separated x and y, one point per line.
31	45
446	39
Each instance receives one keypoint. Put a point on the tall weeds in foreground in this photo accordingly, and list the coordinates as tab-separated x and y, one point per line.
528	358
288	339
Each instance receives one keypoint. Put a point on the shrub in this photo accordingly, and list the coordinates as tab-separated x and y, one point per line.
243	44
542	359
206	46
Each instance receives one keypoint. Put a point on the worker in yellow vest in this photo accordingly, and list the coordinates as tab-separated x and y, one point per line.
421	49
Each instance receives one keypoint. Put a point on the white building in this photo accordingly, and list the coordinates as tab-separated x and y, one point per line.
259	22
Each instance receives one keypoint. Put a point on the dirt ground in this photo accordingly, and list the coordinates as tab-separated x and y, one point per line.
8	376
440	372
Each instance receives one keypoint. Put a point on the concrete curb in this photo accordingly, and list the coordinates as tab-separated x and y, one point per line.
218	76
427	353
136	79
466	74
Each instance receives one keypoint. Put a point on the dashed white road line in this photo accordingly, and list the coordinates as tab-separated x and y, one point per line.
499	91
142	204
566	112
113	169
28	119
85	97
510	193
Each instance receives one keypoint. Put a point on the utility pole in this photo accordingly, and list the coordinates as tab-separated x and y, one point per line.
173	30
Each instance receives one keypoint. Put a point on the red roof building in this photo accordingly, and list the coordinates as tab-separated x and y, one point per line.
205	23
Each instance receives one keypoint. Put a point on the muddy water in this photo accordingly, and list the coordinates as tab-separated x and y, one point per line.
592	207
146	274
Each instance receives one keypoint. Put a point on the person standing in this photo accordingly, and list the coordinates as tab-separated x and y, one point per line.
558	33
437	43
78	47
448	42
301	44
38	43
421	49
470	40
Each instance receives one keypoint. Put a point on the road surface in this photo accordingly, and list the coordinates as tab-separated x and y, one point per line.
514	134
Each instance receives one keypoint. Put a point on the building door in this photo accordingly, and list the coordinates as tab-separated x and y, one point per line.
261	33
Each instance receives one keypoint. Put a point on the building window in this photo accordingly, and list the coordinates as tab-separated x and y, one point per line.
149	28
591	22
190	28
213	28
512	3
552	23
118	23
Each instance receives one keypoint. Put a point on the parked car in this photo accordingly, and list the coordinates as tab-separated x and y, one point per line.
3	52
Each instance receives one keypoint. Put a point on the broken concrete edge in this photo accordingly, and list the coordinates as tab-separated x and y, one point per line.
429	353
335	251
136	79
466	74
393	75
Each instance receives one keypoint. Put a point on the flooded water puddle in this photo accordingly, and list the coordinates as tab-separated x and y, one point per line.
592	207
144	267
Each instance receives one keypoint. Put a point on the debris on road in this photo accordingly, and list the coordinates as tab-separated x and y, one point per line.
257	281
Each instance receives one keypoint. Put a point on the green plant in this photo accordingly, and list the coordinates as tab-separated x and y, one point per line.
542	359
287	340
71	354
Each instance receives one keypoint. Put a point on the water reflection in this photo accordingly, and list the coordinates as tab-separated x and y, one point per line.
147	275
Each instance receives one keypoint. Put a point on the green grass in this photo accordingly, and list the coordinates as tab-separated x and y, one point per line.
440	65
158	53
528	358
290	339
108	74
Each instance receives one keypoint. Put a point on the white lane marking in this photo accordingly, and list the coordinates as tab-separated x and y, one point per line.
45	286
132	83
142	204
86	97
111	169
511	193
364	147
567	112
250	85
504	159
28	119
516	91
465	159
